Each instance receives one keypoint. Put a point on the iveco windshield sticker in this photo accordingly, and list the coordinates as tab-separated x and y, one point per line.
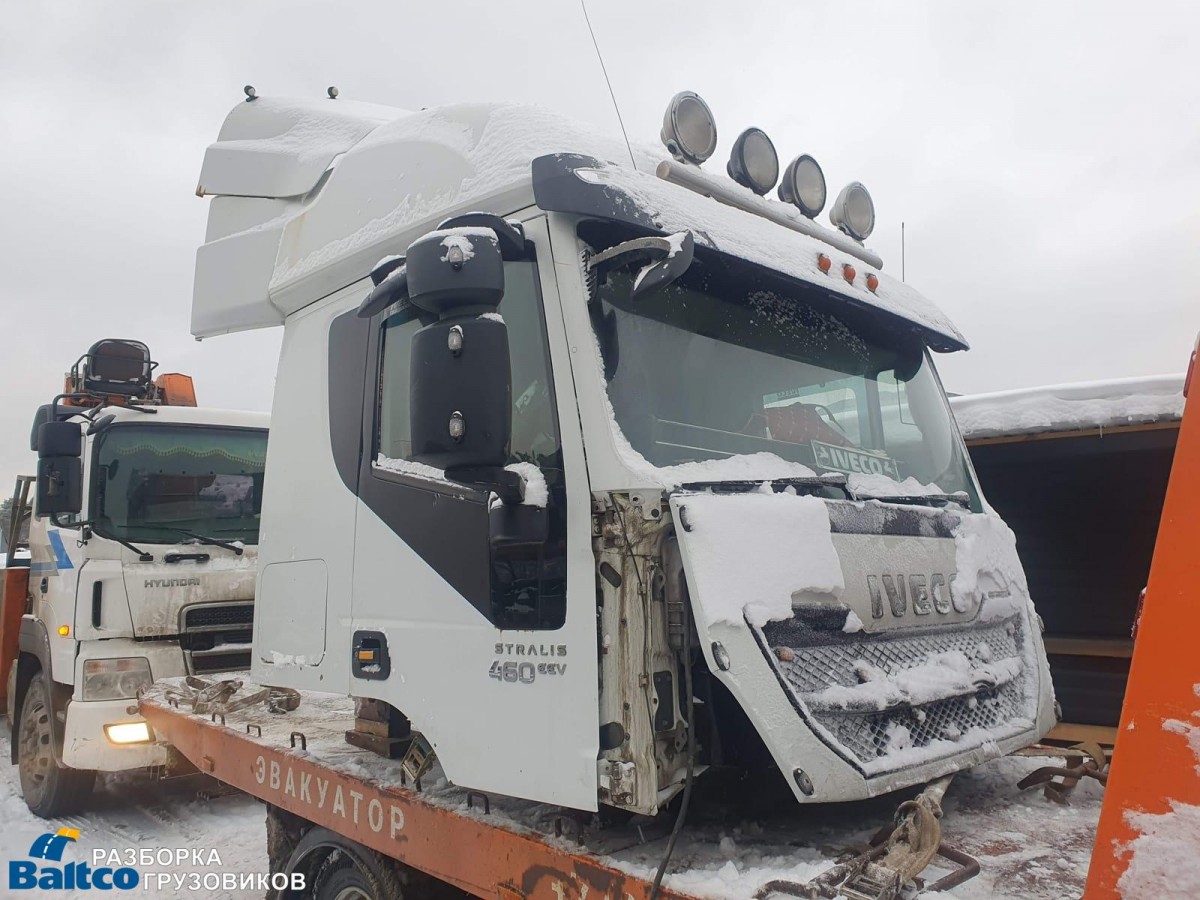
853	461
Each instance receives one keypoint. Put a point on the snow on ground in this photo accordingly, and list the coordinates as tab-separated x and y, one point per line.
133	812
1070	407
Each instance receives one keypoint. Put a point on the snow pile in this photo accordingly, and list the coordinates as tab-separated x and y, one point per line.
989	570
414	469
939	677
874	485
536	491
461	238
1163	855
749	553
1070	407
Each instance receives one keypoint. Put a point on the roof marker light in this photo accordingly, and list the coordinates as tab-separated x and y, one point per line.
753	162
854	212
848	273
689	130
872	282
824	263
803	186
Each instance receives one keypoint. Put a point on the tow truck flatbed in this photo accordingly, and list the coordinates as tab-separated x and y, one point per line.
498	847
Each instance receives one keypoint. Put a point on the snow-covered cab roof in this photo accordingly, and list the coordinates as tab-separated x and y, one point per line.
1061	408
310	194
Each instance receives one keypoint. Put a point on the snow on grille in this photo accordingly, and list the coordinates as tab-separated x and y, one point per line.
872	735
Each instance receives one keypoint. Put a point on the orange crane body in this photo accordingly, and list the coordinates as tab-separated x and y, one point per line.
1155	768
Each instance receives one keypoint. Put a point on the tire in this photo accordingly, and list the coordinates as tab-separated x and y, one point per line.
49	788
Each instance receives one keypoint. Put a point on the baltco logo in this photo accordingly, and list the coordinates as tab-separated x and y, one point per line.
25	875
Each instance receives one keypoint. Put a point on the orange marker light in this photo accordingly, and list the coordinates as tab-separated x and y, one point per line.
824	263
848	273
872	282
64	630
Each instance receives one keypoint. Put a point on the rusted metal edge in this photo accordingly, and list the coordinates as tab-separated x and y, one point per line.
483	858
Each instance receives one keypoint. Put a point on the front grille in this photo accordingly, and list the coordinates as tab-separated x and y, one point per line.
870	735
217	636
217	615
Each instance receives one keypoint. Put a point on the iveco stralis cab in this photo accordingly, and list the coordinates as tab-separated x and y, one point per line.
594	470
142	534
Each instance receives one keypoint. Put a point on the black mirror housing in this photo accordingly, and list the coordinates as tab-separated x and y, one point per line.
461	403
59	485
56	439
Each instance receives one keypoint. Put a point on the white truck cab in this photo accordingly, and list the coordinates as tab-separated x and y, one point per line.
623	470
143	544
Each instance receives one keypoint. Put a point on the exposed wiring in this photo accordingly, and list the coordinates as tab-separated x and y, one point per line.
691	759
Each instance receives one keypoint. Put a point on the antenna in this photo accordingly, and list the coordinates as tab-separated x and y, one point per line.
604	69
902	269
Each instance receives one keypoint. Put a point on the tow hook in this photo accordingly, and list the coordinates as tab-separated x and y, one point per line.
898	854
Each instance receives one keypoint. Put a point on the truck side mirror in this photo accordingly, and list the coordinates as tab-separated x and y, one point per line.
59	469
460	407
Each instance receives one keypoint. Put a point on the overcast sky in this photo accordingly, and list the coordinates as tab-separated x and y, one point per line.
1045	156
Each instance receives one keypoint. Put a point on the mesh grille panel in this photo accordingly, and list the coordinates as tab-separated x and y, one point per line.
210	616
869	735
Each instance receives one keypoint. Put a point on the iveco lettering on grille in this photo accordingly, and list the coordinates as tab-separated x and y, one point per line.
928	595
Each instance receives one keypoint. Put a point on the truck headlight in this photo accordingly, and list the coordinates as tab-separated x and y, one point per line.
115	679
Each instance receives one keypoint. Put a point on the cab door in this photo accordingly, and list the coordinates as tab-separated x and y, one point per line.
486	613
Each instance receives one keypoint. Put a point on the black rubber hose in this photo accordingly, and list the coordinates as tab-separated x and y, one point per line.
691	744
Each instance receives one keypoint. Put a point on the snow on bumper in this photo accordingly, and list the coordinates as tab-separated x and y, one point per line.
86	746
934	682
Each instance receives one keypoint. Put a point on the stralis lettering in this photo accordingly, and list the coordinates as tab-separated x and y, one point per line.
531	649
322	793
170	582
932	594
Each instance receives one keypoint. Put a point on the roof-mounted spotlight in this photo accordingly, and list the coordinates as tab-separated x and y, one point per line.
753	162
854	212
803	185
689	130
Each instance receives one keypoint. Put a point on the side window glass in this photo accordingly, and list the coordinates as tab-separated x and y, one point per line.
528	577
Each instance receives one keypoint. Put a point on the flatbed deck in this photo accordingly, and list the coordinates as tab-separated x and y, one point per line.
507	848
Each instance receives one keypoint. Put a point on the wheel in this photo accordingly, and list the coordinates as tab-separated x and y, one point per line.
344	878
337	868
50	789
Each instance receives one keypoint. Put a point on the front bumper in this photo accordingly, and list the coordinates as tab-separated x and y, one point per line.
840	752
86	746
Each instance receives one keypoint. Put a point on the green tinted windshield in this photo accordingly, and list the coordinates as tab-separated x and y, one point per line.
730	360
152	482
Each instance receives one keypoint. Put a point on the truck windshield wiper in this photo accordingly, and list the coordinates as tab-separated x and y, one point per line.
918	499
809	485
205	539
143	556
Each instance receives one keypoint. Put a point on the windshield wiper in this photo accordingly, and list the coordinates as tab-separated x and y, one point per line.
143	556
917	499
799	483
205	539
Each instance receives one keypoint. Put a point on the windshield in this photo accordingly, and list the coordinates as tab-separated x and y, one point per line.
152	482
733	360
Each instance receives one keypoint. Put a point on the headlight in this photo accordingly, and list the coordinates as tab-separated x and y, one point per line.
115	679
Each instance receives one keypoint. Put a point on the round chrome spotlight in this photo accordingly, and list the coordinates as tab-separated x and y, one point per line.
689	130
803	185
753	162
854	212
